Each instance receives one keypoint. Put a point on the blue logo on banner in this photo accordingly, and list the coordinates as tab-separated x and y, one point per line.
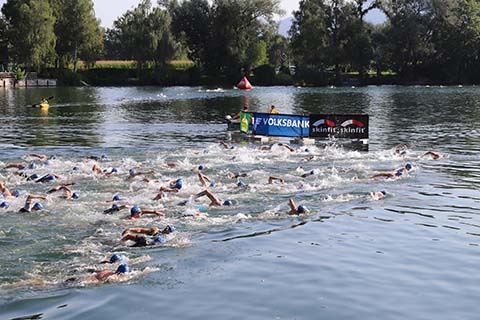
280	125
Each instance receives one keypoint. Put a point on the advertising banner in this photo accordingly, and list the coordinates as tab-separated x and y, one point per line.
280	125
245	122
351	126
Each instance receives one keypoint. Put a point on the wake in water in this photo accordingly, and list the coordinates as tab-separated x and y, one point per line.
61	216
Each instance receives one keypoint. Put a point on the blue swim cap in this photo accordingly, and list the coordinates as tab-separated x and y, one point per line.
116	257
213	184
75	195
114	170
172	228
132	172
240	183
118	197
33	177
32	165
114	206
52	157
202	208
49	177
228	203
123	268
4	204
135	210
178	184
1	196
399	173
302	209
16	193
159	239
47	162
104	156
76	168
201	167
37	206
408	166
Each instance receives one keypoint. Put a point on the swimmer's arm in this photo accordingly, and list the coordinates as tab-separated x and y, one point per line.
15	165
36	196
37	155
434	155
153	212
293	207
383	175
286	146
147	231
97	169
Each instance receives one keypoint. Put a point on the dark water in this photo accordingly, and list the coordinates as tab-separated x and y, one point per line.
412	255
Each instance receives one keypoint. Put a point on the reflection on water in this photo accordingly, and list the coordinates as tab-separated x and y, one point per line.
352	256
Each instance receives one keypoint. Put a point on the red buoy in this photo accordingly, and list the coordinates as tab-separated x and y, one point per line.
244	84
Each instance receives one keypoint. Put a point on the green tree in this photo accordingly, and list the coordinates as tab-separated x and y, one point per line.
79	35
30	25
144	34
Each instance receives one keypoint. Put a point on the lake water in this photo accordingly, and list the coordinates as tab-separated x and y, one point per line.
412	255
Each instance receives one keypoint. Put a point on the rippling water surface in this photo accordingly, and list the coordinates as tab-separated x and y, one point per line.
412	255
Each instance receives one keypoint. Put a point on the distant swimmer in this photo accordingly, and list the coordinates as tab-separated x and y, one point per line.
236	175
296	210
401	150
433	155
272	179
136	212
67	192
398	173
226	145
132	173
37	206
273	110
286	146
310	173
377	195
108	172
214	200
147	236
97	158
116	208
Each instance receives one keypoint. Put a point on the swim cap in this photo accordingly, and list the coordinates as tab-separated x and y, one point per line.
408	166
228	117
178	184
114	170
201	167
123	268
132	172
159	239
75	168
1	196
37	206
384	193
302	209
118	197
4	204
240	183
16	193
116	257
104	156
114	207
33	177
172	228
47	162
213	184
399	173
52	157
75	195
202	208
228	203
135	210
49	177
32	165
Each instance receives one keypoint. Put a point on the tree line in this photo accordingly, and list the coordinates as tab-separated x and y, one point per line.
436	40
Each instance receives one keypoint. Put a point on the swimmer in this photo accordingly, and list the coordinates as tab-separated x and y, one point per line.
433	155
108	172
19	166
132	173
105	275
396	174
174	186
273	110
60	187
39	156
286	146
37	206
214	200
226	145
272	179
136	212
68	193
116	208
114	258
48	177
139	235
310	173
377	195
236	175
296	210
401	150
